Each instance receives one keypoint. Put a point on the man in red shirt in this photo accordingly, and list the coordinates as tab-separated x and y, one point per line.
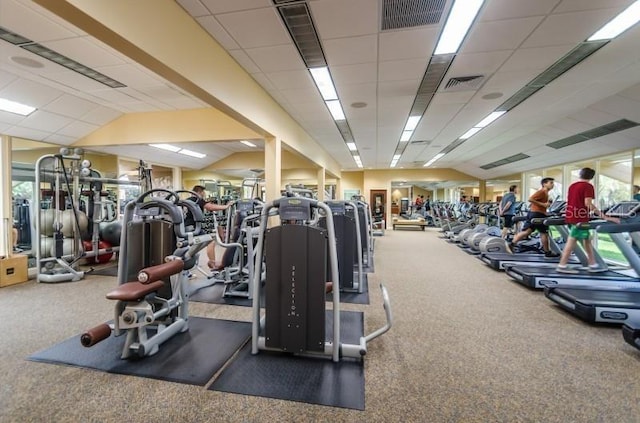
579	206
539	201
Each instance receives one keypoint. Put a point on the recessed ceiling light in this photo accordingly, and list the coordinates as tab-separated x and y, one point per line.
248	143
167	147
629	17
15	107
26	61
192	153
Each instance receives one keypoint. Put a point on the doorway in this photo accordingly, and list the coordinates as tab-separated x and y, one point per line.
378	201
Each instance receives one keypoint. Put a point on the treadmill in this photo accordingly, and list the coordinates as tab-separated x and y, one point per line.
499	261
539	277
600	302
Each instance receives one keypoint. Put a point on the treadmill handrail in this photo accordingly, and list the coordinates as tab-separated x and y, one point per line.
612	228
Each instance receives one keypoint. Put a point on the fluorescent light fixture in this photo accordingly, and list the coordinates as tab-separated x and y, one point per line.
248	143
626	19
471	132
167	147
393	163
396	157
458	23
406	135
192	153
336	109
412	122
323	81
15	107
434	159
352	146
489	119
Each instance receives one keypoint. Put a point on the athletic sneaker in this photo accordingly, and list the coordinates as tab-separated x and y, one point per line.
551	254
565	269
508	247
596	269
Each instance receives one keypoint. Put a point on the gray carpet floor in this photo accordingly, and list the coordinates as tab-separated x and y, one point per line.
468	345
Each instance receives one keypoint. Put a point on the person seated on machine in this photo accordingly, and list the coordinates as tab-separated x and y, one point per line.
209	206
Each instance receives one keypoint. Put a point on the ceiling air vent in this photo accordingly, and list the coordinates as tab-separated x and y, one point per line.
507	160
609	128
398	14
464	83
298	21
420	142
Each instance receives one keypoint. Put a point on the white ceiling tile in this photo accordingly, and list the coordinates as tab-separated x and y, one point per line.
223	6
160	92
578	5
60	139
444	98
394	111
185	103
84	51
28	133
45	121
621	107
349	51
266	27
244	60
138	106
193	7
24	20
468	64
499	35
30	93
71	106
276	58
568	28
101	115
10	118
408	44
572	126
213	27
535	58
354	74
402	69
4	127
6	78
339	18
301	95
291	79
76	81
77	129
398	88
262	79
508	83
632	93
117	96
128	74
508	9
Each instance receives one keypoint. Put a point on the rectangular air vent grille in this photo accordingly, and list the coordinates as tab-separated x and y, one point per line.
464	83
398	14
609	128
507	160
298	21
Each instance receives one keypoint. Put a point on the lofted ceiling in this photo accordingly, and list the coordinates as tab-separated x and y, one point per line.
509	44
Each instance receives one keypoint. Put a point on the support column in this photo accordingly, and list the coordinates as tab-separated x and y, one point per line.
339	193
6	218
322	178
273	167
482	191
177	178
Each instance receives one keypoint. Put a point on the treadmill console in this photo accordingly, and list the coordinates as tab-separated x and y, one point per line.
625	210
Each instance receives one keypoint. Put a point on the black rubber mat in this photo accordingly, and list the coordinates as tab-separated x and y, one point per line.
354	297
192	357
105	271
310	380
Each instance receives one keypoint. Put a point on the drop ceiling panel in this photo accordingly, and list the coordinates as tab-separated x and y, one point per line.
244	60
5	77
276	58
194	7
264	81
10	119
69	105
30	93
301	95
569	28
20	18
510	9
129	74
339	18
437	118
77	129
416	43
266	27
620	107
539	58
394	111
45	121
572	126
350	51
398	89
578	5
508	83
595	117
399	70
499	35
60	139
354	74
213	27
28	133
101	116
223	6
478	63
456	97
291	79
632	93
